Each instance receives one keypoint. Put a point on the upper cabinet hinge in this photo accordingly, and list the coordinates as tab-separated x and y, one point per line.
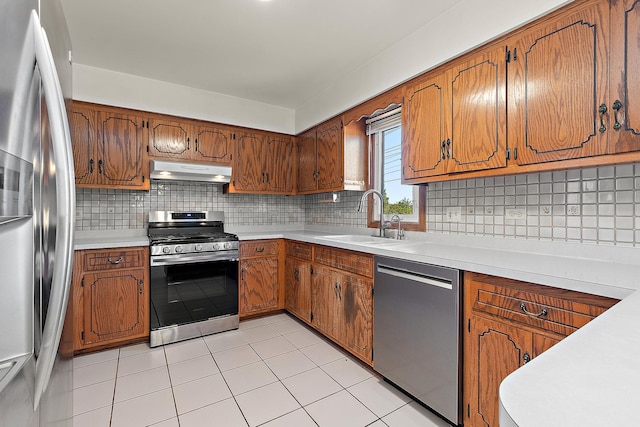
468	325
147	148
142	178
515	153
507	55
82	283
82	335
508	154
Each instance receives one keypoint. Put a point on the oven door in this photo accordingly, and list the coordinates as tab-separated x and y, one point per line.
192	299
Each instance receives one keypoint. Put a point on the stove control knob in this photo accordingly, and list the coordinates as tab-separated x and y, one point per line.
178	249
216	246
227	245
166	250
198	247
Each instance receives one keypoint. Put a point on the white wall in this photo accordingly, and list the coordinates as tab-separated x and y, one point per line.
467	25
125	90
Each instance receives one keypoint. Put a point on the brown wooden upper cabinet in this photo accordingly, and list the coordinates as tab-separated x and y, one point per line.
109	147
320	164
189	140
333	157
454	119
571	88
264	163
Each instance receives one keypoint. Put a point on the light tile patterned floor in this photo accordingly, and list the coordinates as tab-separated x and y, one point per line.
272	372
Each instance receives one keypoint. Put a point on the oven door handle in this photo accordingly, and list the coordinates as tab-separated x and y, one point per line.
160	260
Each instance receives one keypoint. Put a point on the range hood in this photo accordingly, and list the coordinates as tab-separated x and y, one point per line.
183	171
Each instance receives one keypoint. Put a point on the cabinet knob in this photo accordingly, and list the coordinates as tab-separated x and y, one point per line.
526	358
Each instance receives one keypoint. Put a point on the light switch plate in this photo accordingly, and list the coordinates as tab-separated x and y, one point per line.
514	213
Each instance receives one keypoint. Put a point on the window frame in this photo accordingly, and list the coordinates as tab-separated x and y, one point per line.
376	180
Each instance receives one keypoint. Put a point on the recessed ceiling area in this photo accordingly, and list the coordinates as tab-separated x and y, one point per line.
279	52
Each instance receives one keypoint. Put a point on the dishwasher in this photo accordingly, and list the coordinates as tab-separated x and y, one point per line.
416	334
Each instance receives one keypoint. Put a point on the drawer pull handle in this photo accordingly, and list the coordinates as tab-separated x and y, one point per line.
118	261
260	249
542	313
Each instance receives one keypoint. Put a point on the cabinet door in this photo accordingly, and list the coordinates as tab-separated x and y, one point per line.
492	351
258	285
279	164
83	142
121	138
114	305
298	288
478	113
425	119
329	156
169	139
557	83
324	298
213	145
249	174
307	170
542	343
355	314
624	123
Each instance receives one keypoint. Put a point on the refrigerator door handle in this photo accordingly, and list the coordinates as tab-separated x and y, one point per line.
65	194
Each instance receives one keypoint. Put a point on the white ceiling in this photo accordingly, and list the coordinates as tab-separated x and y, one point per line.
280	52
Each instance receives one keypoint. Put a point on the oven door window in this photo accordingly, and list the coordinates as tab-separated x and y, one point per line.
186	293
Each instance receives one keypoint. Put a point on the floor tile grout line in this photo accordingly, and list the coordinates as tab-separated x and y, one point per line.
173	395
232	395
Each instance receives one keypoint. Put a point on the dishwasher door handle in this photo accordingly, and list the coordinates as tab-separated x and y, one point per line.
415	276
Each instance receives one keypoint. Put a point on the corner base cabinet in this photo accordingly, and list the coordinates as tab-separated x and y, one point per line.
507	323
110	297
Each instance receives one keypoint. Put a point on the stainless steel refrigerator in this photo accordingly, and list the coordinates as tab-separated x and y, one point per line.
37	206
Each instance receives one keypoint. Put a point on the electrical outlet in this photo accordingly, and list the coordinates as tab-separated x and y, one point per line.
514	213
453	214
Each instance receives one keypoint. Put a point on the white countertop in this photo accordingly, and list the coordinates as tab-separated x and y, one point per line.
103	239
602	270
588	379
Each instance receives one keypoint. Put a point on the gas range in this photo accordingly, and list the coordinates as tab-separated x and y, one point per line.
194	276
182	237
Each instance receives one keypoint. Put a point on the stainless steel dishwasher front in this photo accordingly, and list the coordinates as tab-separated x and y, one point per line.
416	333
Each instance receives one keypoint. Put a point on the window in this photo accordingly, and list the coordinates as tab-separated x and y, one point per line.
406	201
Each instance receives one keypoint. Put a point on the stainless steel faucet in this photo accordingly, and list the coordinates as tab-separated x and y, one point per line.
400	232
383	224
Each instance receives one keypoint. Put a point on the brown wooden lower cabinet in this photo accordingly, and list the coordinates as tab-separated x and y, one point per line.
341	301
259	280
507	323
110	297
298	288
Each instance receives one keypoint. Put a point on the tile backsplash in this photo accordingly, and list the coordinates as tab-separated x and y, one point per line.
100	209
593	205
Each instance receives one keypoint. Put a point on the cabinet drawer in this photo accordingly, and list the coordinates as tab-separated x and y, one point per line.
298	250
546	308
258	248
111	259
353	262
